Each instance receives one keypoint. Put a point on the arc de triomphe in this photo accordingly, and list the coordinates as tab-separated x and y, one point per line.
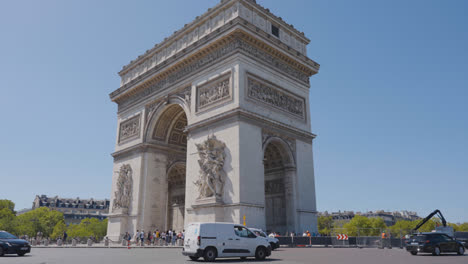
214	125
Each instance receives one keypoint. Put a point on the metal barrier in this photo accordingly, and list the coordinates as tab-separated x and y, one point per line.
360	242
368	242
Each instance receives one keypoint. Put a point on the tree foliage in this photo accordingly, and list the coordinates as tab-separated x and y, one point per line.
8	205
325	223
50	223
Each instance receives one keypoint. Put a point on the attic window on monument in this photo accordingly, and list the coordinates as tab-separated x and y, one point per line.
275	30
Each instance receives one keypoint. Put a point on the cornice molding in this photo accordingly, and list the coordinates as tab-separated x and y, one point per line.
256	119
225	11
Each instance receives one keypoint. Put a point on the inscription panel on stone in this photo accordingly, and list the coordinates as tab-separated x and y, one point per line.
130	129
267	93
214	92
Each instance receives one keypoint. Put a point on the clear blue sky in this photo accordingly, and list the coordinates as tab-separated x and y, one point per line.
389	104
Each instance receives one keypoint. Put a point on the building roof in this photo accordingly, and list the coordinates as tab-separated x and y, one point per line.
56	201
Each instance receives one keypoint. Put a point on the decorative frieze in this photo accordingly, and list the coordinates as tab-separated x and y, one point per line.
130	128
214	92
187	37
212	58
274	96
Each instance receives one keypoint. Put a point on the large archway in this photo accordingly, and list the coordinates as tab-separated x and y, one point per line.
169	134
277	160
176	197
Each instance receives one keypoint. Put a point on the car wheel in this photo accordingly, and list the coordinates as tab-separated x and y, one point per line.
21	254
414	253
436	251
260	253
272	246
461	250
1	251
193	258
210	255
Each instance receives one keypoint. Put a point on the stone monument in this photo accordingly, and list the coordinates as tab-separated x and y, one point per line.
214	125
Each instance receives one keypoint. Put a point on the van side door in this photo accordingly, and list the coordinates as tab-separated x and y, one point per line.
246	241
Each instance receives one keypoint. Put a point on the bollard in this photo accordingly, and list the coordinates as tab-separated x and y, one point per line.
106	242
59	242
73	242
90	242
46	242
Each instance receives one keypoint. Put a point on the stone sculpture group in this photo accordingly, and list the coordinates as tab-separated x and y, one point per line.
123	195
212	175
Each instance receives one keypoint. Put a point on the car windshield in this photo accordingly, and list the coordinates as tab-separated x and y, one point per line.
419	238
6	235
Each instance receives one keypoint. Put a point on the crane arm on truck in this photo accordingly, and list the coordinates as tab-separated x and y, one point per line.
444	223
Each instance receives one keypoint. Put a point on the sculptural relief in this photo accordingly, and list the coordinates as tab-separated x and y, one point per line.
123	195
213	92
268	94
130	128
212	176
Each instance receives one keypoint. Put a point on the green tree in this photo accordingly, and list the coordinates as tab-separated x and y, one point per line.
59	228
463	227
7	220
359	225
38	220
377	225
403	226
7	204
325	223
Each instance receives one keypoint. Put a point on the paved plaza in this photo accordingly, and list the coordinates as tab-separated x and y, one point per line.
173	255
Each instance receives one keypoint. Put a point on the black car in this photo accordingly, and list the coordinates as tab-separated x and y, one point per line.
10	244
434	243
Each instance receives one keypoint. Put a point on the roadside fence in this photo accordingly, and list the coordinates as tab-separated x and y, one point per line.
359	238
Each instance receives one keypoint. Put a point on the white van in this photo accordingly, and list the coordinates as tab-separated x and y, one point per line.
223	240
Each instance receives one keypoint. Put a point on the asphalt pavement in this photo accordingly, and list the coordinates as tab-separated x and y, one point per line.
173	255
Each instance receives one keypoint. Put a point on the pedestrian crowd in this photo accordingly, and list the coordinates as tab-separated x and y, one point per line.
155	238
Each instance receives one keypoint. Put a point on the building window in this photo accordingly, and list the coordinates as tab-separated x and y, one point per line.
275	30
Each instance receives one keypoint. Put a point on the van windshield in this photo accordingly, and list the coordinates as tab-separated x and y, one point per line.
258	233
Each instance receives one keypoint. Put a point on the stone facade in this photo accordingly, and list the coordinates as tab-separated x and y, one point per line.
214	123
74	209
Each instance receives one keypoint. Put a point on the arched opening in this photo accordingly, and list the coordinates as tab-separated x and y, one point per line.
276	161
176	197
169	134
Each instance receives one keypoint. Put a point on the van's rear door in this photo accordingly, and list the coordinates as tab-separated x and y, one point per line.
191	237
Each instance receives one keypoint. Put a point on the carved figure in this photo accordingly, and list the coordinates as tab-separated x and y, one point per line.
123	195
212	175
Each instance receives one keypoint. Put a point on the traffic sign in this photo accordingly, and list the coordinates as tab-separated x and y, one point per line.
342	237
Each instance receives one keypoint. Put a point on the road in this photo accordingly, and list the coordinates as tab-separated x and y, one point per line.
173	255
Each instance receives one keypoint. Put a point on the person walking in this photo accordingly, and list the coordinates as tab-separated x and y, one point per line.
158	235
163	238
153	238
174	238
137	237
142	238
65	235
